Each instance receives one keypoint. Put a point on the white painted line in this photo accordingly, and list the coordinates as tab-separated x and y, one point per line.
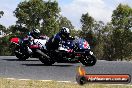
45	80
24	79
40	80
121	84
65	81
10	78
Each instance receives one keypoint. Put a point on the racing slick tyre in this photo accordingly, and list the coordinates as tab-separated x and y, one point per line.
88	60
22	56
46	61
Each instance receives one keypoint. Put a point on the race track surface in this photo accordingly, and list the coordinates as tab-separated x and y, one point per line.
32	68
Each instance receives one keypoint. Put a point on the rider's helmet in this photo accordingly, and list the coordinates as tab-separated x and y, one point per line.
35	33
65	32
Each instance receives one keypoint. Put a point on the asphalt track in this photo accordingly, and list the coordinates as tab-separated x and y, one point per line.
32	68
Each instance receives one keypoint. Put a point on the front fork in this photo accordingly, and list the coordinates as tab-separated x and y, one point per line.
25	49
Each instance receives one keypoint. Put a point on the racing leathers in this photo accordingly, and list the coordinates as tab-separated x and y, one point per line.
56	41
29	38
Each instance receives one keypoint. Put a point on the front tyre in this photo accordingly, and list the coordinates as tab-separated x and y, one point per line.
22	56
88	60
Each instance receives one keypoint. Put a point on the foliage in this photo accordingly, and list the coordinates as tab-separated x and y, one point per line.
38	14
1	13
64	22
99	43
122	23
50	17
29	13
4	45
88	24
75	33
122	17
108	44
16	29
113	40
121	43
3	28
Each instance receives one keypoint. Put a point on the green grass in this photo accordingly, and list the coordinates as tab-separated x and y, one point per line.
6	83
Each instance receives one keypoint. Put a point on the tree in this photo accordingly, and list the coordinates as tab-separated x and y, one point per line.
88	24
64	22
38	14
50	18
1	13
107	40
122	17
99	34
3	28
120	39
75	32
122	23
29	13
17	30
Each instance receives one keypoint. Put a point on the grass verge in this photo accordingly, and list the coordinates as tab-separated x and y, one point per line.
15	83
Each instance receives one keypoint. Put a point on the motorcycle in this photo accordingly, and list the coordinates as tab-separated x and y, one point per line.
23	49
71	51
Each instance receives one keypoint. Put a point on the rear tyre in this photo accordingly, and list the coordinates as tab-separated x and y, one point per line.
22	56
88	60
46	61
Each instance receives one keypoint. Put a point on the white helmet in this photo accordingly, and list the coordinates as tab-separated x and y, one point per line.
65	31
36	31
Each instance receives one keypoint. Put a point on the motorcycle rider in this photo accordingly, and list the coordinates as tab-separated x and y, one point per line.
34	34
55	42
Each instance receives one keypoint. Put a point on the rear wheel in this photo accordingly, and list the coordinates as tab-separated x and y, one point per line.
21	55
88	60
46	61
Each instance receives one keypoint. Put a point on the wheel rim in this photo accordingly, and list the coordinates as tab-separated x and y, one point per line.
89	60
20	55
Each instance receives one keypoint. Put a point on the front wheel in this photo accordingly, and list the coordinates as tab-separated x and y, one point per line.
46	61
88	60
22	56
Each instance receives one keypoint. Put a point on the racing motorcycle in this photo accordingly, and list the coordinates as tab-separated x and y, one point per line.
77	50
23	49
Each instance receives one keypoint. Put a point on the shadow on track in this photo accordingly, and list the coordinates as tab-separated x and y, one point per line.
66	65
18	60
